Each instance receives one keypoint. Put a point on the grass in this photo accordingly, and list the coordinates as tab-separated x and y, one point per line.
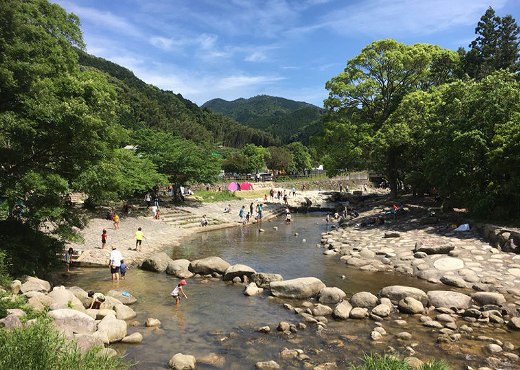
214	196
40	346
389	362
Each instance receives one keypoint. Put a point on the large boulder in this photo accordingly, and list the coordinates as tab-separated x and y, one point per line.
252	289
157	262
300	288
180	361
64	298
397	292
484	298
208	265
114	328
364	300
34	284
124	312
434	246
78	322
86	342
449	299
122	296
263	279
11	322
179	268
237	270
39	301
410	305
331	295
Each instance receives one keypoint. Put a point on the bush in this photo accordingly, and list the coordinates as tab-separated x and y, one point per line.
389	362
40	346
5	279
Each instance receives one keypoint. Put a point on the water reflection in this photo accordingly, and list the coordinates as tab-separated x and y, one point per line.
218	318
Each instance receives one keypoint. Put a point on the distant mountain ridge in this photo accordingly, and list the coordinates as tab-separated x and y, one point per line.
285	119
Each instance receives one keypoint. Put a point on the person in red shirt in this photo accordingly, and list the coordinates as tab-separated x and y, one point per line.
103	239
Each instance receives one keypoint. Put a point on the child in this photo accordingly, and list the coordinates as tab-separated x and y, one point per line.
97	299
122	269
116	221
67	258
248	216
178	290
103	239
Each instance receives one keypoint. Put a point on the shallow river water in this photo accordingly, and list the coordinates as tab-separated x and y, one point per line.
218	318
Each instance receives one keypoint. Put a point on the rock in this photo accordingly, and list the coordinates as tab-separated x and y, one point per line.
213	360
122	296
434	246
267	365
86	342
342	310
11	322
264	329
263	280
410	305
124	312
381	310
449	299
157	262
238	270
34	284
453	281
252	290
63	298
290	353
134	338
76	321
390	234
483	298
326	366
414	362
114	328
300	288
39	301
16	287
107	352
283	326
179	268
492	348
180	361
397	292
514	323
358	313
331	295
209	265
364	299
448	264
404	335
321	310
151	322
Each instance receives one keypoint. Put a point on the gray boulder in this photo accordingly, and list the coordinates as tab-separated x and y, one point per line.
64	298
122	296
331	295
34	284
252	289
358	313
410	305
179	268
180	361
77	321
397	292
321	310
134	338
157	262
16	286
237	270
114	328
484	298
342	310
39	301
86	342
449	299
382	310
263	279
11	322
124	312
434	246
364	300
300	288
208	265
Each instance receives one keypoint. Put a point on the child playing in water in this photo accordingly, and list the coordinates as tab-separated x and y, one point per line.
103	239
177	291
122	269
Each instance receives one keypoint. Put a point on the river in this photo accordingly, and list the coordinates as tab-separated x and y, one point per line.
217	318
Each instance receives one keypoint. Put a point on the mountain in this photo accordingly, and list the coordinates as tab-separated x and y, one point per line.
285	119
146	106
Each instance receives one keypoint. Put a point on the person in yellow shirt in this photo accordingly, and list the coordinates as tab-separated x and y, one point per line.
139	236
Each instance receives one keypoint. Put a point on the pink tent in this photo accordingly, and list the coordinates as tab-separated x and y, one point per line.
232	186
246	186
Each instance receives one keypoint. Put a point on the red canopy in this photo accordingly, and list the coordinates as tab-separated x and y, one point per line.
246	185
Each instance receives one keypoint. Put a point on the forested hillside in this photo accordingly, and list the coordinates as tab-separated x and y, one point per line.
286	119
146	106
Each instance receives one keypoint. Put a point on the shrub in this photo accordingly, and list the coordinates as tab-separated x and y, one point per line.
41	346
389	362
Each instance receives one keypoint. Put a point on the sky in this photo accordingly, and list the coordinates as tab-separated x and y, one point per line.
230	49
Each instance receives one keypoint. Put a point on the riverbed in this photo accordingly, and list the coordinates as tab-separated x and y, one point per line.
217	318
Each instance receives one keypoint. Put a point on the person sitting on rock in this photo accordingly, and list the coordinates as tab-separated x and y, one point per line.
97	299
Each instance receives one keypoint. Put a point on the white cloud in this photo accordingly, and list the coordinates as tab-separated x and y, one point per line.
256	56
161	42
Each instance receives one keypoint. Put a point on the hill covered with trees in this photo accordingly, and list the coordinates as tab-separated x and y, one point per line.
283	118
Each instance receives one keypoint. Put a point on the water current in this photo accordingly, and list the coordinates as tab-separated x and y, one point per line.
218	318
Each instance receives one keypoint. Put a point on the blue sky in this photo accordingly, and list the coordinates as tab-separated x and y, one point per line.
229	49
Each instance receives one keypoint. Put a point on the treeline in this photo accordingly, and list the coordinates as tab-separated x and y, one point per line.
432	119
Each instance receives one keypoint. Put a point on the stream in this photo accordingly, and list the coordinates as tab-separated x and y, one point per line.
218	318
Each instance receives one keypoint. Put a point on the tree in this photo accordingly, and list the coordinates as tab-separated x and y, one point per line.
301	158
257	156
236	163
279	159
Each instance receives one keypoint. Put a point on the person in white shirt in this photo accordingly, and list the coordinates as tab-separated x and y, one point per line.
115	263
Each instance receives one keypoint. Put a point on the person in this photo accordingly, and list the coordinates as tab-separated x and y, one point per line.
122	269
97	299
327	219
288	217
158	214
204	221
293	191
139	235
265	197
259	211
251	208
116	221
67	258
248	216
241	214
285	199
227	209
127	208
177	291
154	211
148	199
103	239
115	263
